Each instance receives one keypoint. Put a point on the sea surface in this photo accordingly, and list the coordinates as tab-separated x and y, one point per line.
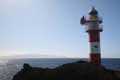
9	67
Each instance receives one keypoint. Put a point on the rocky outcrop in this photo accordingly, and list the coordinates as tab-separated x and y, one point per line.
80	70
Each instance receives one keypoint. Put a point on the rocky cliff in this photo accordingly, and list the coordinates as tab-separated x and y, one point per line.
80	70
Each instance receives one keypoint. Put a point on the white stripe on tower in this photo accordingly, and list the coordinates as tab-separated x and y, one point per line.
95	47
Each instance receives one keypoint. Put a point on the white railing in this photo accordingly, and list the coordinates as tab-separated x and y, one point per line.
100	27
93	18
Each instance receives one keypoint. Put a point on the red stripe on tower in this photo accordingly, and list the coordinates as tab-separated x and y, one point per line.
93	29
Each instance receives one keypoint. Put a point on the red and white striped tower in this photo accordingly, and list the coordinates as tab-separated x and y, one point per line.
93	28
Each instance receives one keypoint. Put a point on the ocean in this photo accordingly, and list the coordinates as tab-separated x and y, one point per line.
9	67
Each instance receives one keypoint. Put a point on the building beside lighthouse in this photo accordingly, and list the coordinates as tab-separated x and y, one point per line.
93	28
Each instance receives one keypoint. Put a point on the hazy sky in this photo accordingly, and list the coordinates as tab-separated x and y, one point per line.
52	27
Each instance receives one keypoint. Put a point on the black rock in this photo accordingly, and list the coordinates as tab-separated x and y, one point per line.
80	70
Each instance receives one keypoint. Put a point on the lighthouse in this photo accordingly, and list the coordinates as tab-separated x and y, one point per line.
93	27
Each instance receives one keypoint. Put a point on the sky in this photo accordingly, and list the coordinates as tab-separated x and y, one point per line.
52	27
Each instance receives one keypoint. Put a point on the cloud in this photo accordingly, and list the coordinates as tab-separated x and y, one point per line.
9	52
39	54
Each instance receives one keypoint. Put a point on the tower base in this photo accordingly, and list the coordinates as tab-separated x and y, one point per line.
95	59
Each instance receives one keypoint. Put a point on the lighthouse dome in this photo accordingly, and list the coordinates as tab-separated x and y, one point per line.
93	11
